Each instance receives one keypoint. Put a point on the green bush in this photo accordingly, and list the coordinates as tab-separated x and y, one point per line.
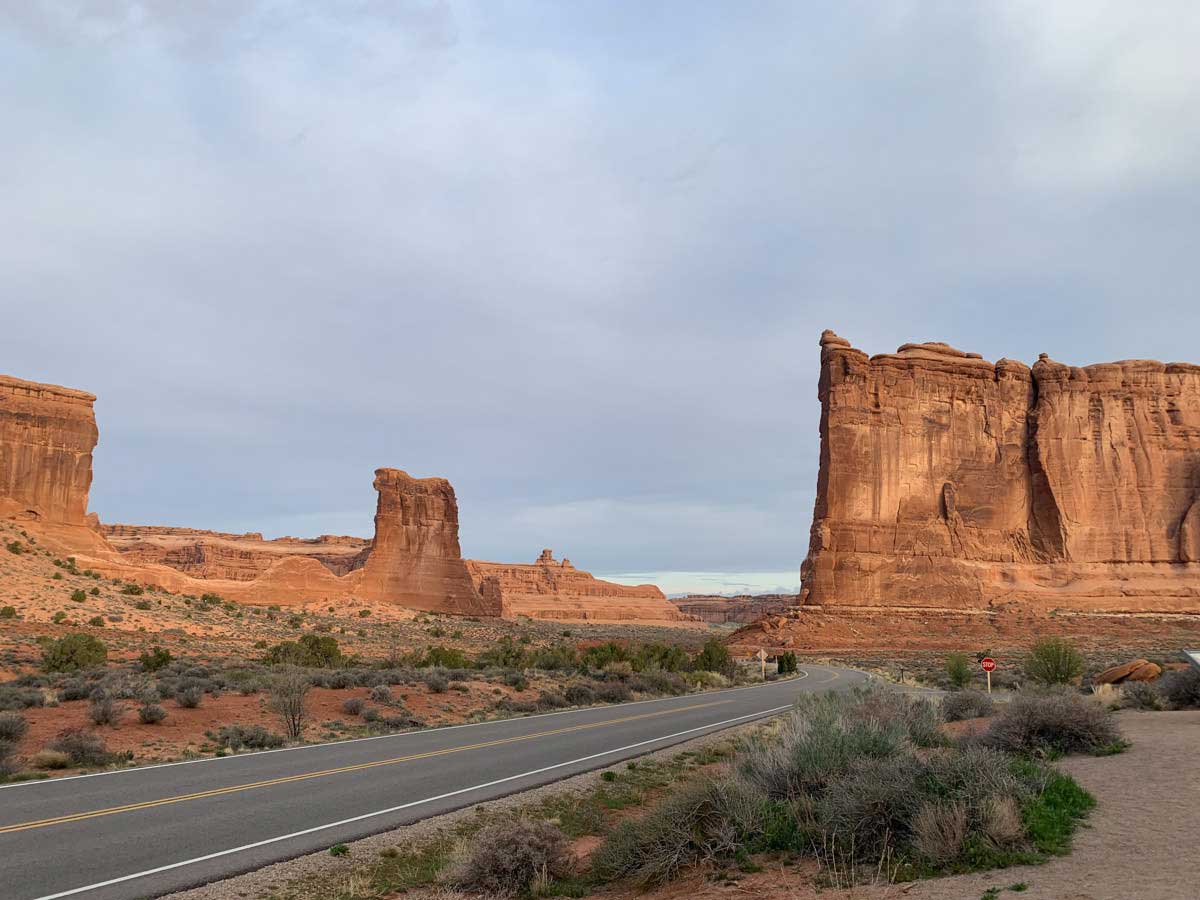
189	694
132	590
959	670
96	621
508	857
252	737
74	652
1053	661
714	656
311	650
787	663
155	658
151	714
8	612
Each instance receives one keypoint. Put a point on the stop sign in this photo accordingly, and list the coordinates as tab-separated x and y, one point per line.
988	664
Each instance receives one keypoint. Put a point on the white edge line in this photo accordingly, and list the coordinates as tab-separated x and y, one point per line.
44	782
392	809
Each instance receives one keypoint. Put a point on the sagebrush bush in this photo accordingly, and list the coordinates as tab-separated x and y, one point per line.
253	737
353	706
1053	661
12	698
612	692
962	705
940	830
151	713
380	693
49	759
551	700
1059	722
12	727
509	857
708	819
870	809
9	764
1182	689
83	748
1142	695
436	682
105	709
579	694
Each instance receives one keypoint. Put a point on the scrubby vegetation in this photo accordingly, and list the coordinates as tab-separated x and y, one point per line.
1053	723
1053	661
74	652
966	705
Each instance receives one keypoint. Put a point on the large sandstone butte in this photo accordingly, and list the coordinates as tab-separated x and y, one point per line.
47	434
950	482
549	589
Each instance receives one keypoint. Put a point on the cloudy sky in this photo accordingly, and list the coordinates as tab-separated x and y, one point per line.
574	257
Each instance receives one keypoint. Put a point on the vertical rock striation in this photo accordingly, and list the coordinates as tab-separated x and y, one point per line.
47	434
948	481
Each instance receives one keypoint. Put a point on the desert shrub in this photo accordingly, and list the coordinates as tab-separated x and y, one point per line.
315	650
154	659
9	764
352	706
370	714
104	708
1182	689
78	596
132	590
551	700
252	737
74	652
12	698
504	654
871	808
96	621
707	819
1058	722
966	705
1000	821
1142	695
612	692
288	699
436	682
556	657
151	713
12	727
83	748
516	680
1053	661
8	612
579	694
714	656
74	689
509	857
958	669
49	759
659	681
786	663
189	694
514	705
381	693
939	830
404	720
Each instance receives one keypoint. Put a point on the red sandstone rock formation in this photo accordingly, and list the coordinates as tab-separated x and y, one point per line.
236	557
548	589
743	608
47	434
947	481
415	558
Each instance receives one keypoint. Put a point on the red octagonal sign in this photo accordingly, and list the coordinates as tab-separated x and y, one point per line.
988	664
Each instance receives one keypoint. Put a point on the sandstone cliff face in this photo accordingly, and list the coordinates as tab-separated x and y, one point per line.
415	558
743	608
948	481
237	557
549	589
47	434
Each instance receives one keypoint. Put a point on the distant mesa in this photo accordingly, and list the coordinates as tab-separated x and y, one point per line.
48	433
549	589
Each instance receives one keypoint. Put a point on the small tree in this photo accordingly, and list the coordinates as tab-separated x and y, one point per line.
155	658
958	668
74	652
715	657
786	663
1053	661
288	692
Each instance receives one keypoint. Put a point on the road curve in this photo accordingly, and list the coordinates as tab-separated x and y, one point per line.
148	831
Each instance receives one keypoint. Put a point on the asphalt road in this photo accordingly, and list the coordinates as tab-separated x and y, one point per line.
149	831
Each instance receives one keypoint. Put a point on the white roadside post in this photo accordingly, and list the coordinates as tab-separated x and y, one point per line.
762	661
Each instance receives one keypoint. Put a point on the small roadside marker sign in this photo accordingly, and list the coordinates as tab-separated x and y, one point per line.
988	665
761	656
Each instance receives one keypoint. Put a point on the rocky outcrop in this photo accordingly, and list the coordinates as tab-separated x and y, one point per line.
743	608
236	557
47	434
950	482
549	589
1137	670
415	559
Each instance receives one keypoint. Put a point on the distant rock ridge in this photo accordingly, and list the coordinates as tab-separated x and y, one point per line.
742	608
549	589
947	481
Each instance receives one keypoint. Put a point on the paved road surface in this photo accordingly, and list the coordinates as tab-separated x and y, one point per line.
149	831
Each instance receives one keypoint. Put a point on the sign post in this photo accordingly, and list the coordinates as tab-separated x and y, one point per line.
761	655
988	665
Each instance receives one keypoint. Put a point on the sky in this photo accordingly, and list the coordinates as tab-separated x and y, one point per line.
574	257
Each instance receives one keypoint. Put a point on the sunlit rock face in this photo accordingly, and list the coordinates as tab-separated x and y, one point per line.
949	481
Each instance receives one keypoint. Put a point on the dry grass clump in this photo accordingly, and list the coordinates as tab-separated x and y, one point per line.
511	858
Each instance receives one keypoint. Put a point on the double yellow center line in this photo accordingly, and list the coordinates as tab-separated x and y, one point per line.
216	792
